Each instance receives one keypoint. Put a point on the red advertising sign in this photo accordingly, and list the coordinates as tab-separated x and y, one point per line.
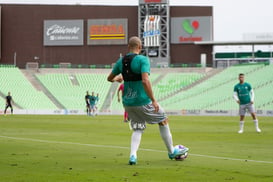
190	29
114	31
107	31
152	1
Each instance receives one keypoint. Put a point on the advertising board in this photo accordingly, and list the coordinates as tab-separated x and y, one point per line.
63	32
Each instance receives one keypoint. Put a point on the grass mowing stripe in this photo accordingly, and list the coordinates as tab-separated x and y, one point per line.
73	143
120	147
228	158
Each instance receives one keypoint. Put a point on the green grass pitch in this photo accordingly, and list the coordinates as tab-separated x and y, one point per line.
43	148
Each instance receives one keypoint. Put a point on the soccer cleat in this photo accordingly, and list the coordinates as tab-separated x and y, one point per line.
126	120
258	130
240	131
132	160
178	152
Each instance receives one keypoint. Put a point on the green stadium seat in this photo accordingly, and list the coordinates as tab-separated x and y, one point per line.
72	96
23	93
215	93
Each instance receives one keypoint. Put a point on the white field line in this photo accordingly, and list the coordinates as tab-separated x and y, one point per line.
120	147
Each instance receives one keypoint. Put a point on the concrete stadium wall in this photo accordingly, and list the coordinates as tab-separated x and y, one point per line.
22	32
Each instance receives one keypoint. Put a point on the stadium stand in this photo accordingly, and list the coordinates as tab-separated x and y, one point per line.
70	89
24	94
261	80
173	82
2	102
216	92
175	90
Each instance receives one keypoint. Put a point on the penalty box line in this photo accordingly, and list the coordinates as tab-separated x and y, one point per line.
120	147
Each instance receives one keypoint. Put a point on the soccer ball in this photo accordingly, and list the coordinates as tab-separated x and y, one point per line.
180	157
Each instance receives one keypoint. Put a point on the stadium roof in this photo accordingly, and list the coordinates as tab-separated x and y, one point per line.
254	42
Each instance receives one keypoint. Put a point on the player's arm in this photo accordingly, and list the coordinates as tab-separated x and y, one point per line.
148	88
118	94
252	95
115	75
114	78
235	96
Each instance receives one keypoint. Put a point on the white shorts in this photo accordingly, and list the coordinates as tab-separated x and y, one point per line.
140	115
245	107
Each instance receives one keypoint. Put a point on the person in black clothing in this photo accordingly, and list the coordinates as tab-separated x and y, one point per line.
9	103
88	109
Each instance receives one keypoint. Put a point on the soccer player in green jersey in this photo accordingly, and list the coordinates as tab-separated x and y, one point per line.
96	104
244	96
138	99
92	101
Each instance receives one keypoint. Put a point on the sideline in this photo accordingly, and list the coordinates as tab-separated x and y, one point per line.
119	147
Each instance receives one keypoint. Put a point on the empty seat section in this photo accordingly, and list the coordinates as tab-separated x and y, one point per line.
70	90
173	82
23	93
216	92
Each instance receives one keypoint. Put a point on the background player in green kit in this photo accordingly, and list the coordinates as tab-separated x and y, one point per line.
244	96
96	104
138	99
92	101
